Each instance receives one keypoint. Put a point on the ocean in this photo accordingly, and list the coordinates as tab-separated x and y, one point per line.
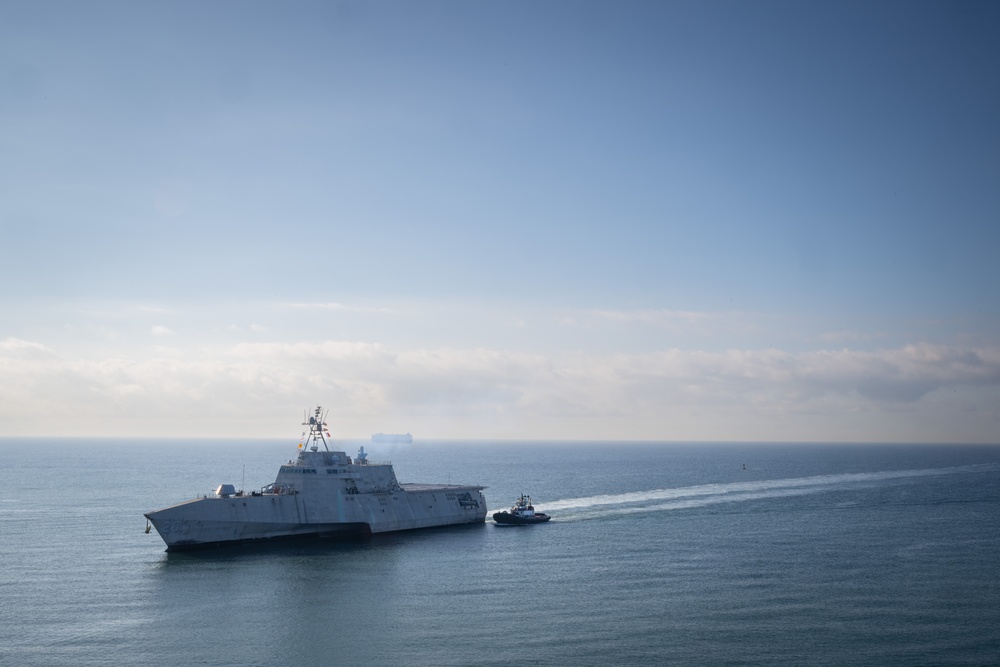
657	554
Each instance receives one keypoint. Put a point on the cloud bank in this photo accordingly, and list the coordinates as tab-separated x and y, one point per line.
913	392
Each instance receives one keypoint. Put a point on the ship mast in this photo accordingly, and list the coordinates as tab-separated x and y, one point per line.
316	424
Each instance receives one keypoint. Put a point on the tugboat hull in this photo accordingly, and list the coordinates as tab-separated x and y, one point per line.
508	519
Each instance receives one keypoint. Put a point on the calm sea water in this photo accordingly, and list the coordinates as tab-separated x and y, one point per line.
657	554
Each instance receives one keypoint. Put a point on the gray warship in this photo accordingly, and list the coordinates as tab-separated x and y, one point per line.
320	494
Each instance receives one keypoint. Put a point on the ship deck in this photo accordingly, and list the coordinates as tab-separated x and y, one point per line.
411	487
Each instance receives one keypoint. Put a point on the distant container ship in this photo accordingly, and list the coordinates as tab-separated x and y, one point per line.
392	438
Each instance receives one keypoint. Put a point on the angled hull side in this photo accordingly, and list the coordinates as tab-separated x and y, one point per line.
216	521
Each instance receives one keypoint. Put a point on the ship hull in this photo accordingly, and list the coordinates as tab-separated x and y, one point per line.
219	521
267	535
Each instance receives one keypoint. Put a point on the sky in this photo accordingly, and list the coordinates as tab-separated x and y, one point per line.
572	220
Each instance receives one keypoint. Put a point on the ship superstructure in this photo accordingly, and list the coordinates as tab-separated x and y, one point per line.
321	493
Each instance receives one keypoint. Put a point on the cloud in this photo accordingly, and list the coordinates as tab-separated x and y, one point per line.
330	305
653	321
652	316
483	392
15	347
844	336
620	384
903	374
325	350
894	375
317	306
157	310
160	330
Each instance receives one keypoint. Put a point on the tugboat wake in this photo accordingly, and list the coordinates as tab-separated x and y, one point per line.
576	509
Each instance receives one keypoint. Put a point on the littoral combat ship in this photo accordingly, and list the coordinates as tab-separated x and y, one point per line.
321	494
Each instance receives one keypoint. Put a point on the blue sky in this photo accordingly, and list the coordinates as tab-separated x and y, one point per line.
663	220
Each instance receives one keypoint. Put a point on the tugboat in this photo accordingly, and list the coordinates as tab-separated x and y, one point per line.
521	514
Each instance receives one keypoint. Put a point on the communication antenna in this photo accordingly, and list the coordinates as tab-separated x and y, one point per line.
316	424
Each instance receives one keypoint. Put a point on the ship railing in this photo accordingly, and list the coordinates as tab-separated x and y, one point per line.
278	489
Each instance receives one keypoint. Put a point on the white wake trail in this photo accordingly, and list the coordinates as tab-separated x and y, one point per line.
711	494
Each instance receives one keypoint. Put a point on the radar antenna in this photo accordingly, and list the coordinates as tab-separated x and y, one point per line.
316	424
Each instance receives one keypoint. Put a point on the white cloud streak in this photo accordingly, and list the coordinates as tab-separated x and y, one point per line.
652	316
334	306
15	347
